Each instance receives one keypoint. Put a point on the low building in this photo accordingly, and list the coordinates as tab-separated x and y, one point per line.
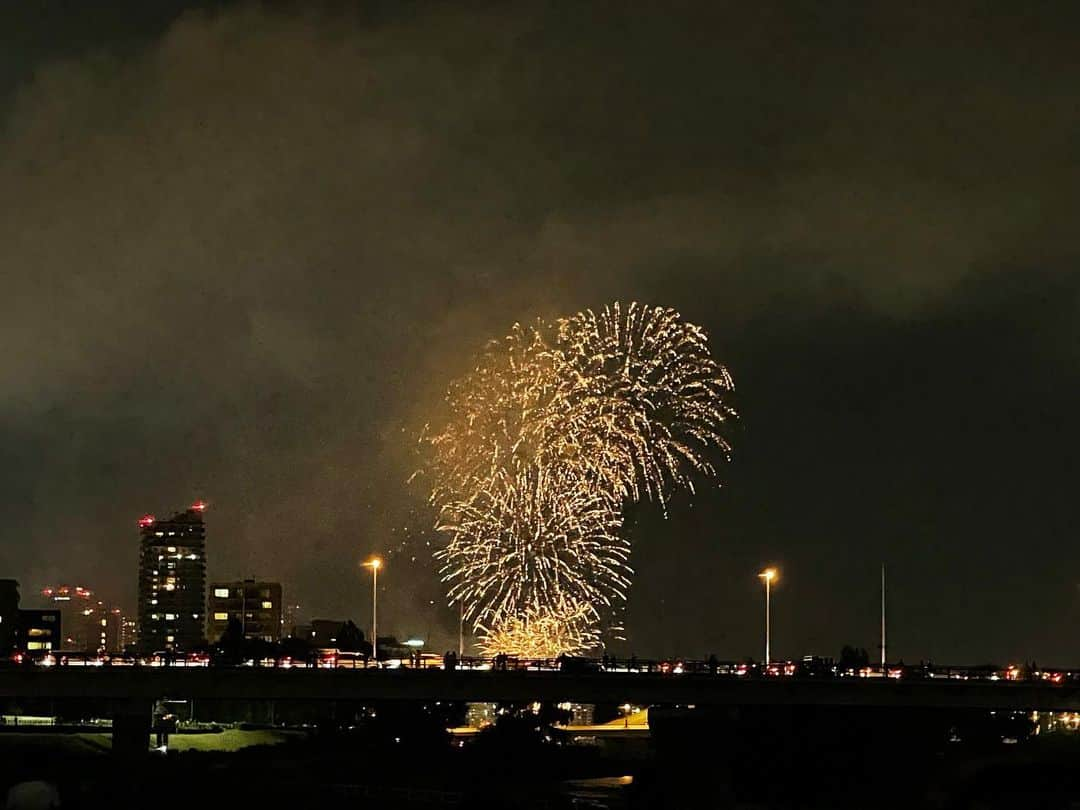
79	615
39	631
321	633
256	605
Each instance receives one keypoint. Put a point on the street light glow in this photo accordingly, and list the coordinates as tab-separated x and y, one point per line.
374	563
769	575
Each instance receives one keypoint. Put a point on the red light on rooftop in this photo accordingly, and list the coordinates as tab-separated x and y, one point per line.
199	506
146	520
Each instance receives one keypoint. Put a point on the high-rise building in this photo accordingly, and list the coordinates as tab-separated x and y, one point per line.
290	619
255	605
110	631
129	633
172	581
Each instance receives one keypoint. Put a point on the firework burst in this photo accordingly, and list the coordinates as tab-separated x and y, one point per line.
531	540
553	432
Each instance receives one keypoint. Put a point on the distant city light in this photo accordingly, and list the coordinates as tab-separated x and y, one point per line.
146	520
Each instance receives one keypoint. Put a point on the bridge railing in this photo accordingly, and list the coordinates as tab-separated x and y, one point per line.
807	668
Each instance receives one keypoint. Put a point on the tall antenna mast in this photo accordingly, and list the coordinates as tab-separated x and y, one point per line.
883	619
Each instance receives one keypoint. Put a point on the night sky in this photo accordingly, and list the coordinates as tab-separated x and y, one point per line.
244	248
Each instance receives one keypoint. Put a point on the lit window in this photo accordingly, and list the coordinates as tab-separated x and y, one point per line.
221	617
102	622
37	645
155	616
170	587
221	593
170	639
267	605
170	616
171	549
153	601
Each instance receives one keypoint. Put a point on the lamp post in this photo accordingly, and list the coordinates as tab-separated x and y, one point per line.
768	575
374	564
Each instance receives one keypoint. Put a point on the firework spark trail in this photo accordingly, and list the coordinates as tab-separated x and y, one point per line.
554	431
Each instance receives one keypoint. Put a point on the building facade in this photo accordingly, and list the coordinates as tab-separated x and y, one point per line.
78	614
172	581
39	632
254	604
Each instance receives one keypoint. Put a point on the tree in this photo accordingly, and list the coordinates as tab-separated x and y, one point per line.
297	648
230	647
853	658
350	638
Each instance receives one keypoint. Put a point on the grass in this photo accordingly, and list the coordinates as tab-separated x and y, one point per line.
228	740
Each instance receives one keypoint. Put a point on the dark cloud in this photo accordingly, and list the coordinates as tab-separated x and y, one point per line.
245	248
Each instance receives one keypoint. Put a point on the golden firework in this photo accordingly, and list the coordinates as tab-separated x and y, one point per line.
555	430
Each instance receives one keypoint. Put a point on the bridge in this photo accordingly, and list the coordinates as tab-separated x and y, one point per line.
129	693
148	684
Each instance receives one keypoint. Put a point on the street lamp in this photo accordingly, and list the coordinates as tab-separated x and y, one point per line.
374	564
768	575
